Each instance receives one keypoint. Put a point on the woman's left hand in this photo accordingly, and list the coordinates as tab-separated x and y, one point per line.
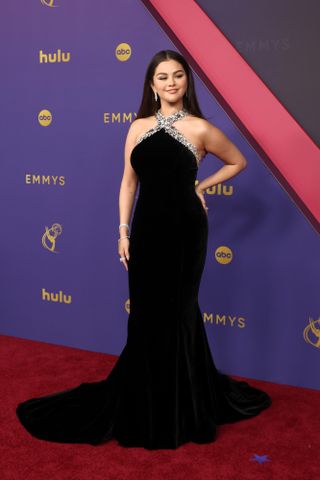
200	194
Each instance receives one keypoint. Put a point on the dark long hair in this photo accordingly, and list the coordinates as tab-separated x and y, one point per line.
149	105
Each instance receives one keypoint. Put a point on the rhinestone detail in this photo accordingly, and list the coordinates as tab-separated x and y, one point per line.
166	124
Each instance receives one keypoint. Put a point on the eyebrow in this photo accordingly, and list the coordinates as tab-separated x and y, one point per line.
163	73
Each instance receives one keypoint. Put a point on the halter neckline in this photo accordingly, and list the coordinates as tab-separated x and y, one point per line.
165	123
171	118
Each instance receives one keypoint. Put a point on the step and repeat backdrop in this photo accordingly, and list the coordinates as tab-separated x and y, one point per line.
71	84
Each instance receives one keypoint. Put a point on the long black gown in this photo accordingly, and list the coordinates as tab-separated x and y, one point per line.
164	389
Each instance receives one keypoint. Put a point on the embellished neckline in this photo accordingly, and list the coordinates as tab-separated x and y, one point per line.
165	123
171	118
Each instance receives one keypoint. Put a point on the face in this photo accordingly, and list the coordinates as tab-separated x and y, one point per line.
170	81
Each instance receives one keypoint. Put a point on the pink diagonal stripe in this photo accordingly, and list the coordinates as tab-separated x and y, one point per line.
275	131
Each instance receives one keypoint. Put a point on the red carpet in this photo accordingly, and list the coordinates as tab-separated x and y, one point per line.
281	443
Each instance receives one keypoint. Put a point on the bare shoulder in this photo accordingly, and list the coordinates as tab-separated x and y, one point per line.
133	131
204	131
136	125
202	125
140	125
213	139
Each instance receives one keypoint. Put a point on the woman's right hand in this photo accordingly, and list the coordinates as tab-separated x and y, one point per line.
123	250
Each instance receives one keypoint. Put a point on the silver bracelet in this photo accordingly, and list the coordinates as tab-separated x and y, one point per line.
124	225
126	236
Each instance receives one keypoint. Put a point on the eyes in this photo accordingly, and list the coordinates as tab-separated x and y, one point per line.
164	78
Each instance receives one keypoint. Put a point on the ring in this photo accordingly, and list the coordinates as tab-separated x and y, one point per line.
121	259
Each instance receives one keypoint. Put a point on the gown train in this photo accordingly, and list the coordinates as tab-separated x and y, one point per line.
164	390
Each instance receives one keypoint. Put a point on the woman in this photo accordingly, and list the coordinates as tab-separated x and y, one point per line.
164	390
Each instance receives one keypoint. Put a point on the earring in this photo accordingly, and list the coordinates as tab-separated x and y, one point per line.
155	96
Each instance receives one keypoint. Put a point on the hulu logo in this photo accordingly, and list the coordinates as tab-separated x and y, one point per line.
55	297
58	57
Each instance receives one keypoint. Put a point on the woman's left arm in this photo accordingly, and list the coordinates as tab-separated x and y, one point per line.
216	142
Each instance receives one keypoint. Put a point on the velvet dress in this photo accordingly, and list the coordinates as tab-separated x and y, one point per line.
164	390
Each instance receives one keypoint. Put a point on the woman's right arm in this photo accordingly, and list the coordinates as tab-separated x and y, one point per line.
127	192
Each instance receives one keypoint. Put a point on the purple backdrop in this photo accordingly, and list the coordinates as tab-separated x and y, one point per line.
61	173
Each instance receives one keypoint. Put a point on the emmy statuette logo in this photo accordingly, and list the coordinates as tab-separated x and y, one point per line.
311	333
127	305
50	236
49	3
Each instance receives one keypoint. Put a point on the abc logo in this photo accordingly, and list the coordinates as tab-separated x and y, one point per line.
123	52
45	118
223	254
